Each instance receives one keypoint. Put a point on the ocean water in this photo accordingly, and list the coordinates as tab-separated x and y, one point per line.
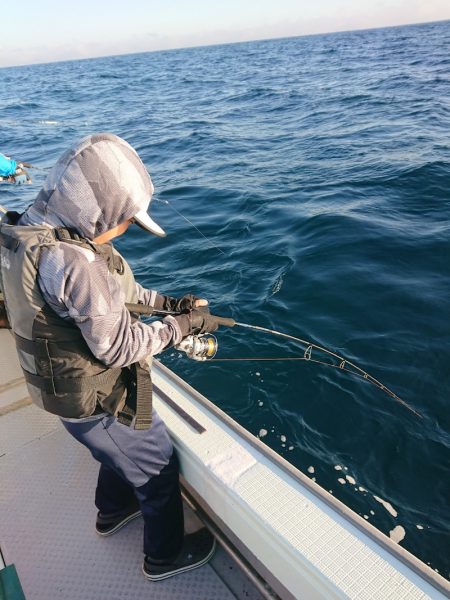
318	172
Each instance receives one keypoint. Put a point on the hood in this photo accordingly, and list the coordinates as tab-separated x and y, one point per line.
95	185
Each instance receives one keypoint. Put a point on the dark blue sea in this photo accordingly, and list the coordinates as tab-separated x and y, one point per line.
317	170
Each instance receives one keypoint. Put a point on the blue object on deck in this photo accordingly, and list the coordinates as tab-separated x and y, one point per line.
7	166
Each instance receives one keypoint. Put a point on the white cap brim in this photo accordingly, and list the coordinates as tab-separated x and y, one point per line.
143	219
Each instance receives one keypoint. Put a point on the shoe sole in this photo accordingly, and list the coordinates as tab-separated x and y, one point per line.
181	570
119	525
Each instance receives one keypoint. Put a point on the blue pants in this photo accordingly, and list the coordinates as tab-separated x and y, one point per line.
140	464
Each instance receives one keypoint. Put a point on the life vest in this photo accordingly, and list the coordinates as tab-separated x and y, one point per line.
62	374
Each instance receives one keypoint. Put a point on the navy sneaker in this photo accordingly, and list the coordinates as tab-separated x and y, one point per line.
109	524
197	549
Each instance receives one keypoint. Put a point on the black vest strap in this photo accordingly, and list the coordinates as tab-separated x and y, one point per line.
139	399
143	398
39	347
63	234
114	262
72	385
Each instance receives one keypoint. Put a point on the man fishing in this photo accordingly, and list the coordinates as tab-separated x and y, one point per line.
84	356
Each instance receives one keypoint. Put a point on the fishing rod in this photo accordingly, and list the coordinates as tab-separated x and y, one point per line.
204	347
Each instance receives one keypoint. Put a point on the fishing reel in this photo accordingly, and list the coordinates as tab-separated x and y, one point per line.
199	347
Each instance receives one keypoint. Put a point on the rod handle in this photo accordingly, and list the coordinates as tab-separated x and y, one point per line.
225	321
142	309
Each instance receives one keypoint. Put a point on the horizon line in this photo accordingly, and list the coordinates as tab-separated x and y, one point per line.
263	39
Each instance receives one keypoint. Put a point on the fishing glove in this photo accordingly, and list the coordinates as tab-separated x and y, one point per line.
202	321
198	320
180	305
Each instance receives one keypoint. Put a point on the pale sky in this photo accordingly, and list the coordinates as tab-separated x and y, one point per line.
50	30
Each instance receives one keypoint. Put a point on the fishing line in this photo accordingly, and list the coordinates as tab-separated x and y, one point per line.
343	365
28	166
190	223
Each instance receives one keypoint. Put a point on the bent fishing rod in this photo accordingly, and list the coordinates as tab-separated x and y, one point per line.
203	347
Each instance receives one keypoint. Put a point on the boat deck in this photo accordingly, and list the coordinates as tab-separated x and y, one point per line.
47	525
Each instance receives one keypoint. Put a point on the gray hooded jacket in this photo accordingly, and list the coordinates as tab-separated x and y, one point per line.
66	295
93	187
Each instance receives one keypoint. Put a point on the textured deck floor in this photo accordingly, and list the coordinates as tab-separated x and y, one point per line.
47	516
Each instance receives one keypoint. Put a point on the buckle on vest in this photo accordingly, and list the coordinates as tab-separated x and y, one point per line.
142	423
125	417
